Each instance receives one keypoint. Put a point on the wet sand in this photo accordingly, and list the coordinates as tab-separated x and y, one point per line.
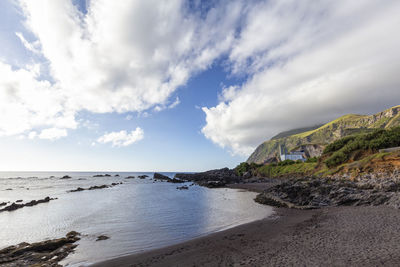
339	236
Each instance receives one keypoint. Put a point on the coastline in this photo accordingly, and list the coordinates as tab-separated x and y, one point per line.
340	236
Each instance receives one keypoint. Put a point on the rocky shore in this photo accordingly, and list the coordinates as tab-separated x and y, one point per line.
45	253
312	192
371	189
14	206
212	178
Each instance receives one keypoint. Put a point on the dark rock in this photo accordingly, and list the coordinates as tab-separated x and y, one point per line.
107	175
184	187
45	253
212	178
19	200
310	192
159	176
15	206
8	189
95	187
66	177
130	177
102	237
98	187
117	175
143	176
77	190
3	204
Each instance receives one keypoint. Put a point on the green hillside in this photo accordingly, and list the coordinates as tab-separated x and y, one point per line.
314	141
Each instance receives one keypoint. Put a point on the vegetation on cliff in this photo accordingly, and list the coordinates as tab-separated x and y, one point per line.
352	155
341	150
314	141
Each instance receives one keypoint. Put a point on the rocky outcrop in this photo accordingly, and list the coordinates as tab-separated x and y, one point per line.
159	176
312	192
46	253
212	178
66	177
162	177
130	177
102	175
143	176
102	237
95	187
15	206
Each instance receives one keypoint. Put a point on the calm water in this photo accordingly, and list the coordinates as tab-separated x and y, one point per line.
137	215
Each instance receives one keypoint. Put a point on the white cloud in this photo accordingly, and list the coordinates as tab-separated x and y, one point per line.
175	103
307	62
304	62
32	135
27	102
33	47
120	57
122	138
52	133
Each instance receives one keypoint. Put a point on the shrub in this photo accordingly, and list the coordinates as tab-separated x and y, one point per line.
286	162
378	139
312	160
242	168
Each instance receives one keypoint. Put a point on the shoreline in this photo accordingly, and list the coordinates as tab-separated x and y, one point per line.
339	236
166	256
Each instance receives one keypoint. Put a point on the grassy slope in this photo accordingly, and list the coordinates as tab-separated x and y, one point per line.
343	126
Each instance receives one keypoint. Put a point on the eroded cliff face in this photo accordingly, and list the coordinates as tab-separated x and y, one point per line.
314	141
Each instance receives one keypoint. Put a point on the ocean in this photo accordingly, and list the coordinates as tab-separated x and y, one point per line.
138	215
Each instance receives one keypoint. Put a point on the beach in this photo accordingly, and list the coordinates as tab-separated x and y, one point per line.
335	236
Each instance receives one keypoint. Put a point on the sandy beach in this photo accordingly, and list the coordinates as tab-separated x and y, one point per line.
339	236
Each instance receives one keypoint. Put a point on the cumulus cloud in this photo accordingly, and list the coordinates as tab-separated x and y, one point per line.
122	138
307	62
52	133
125	56
304	62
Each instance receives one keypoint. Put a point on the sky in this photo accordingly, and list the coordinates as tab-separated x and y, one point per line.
183	85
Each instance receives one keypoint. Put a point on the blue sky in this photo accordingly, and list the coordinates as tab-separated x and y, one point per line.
179	86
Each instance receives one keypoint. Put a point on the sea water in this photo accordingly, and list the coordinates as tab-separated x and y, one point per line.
138	215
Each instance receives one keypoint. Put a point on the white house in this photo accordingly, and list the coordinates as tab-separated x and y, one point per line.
295	155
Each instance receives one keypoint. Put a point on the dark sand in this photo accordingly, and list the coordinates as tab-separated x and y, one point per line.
340	236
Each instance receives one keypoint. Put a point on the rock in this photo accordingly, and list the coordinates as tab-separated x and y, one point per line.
212	178
77	190
95	187
117	175
130	177
8	189
143	176
311	192
19	200
102	237
15	206
3	204
66	177
159	176
184	187
107	175
45	253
